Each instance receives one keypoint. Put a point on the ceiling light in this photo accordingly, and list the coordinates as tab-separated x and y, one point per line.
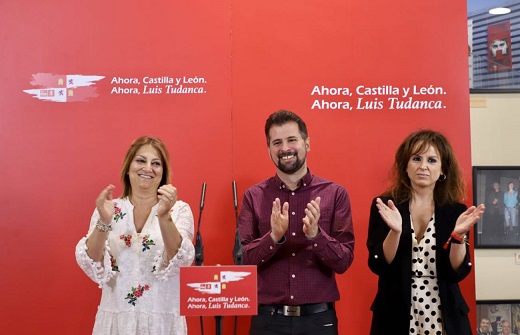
499	11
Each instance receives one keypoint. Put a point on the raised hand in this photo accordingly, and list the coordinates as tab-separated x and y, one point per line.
167	196
467	219
312	216
279	219
390	214
105	204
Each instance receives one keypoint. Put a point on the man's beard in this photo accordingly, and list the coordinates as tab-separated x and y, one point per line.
290	169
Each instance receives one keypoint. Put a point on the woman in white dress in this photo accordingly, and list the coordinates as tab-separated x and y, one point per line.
136	245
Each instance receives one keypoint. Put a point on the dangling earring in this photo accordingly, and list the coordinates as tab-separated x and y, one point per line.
442	177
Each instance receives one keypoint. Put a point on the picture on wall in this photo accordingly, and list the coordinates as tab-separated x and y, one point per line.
499	47
493	47
498	317
497	187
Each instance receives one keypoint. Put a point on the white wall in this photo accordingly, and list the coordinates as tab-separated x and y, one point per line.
495	141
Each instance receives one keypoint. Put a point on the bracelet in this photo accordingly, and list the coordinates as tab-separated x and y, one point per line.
456	239
103	227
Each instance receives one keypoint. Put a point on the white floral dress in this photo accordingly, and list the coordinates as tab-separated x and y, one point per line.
140	290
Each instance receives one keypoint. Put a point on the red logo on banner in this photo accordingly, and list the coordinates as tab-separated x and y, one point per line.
499	47
63	88
218	290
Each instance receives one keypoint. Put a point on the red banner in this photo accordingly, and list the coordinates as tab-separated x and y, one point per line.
499	47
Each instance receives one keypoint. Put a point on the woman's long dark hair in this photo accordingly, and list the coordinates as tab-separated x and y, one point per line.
451	189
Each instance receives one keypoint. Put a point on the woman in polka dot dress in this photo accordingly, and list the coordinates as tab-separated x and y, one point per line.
416	242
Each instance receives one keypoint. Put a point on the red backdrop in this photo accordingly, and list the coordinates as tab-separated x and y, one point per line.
255	57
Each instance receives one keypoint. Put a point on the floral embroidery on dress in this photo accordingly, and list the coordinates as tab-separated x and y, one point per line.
137	292
147	242
113	264
118	214
127	239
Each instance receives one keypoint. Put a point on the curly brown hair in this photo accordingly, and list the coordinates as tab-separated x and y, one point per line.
449	190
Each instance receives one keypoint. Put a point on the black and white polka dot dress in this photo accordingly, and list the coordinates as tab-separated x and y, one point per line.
425	314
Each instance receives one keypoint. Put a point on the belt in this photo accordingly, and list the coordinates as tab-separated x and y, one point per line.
301	310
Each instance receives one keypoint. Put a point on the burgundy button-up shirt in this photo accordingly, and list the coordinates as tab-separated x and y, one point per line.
297	270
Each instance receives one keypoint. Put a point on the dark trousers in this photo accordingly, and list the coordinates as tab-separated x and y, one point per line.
324	323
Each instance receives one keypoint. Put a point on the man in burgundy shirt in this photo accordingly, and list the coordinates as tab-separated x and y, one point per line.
297	228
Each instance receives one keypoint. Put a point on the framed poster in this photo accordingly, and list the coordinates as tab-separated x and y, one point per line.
498	317
497	187
493	48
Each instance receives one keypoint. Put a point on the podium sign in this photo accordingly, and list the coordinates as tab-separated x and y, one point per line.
218	290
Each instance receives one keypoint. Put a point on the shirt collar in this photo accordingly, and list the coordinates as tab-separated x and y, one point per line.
304	181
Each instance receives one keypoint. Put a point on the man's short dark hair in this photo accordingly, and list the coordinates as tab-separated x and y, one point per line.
280	118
